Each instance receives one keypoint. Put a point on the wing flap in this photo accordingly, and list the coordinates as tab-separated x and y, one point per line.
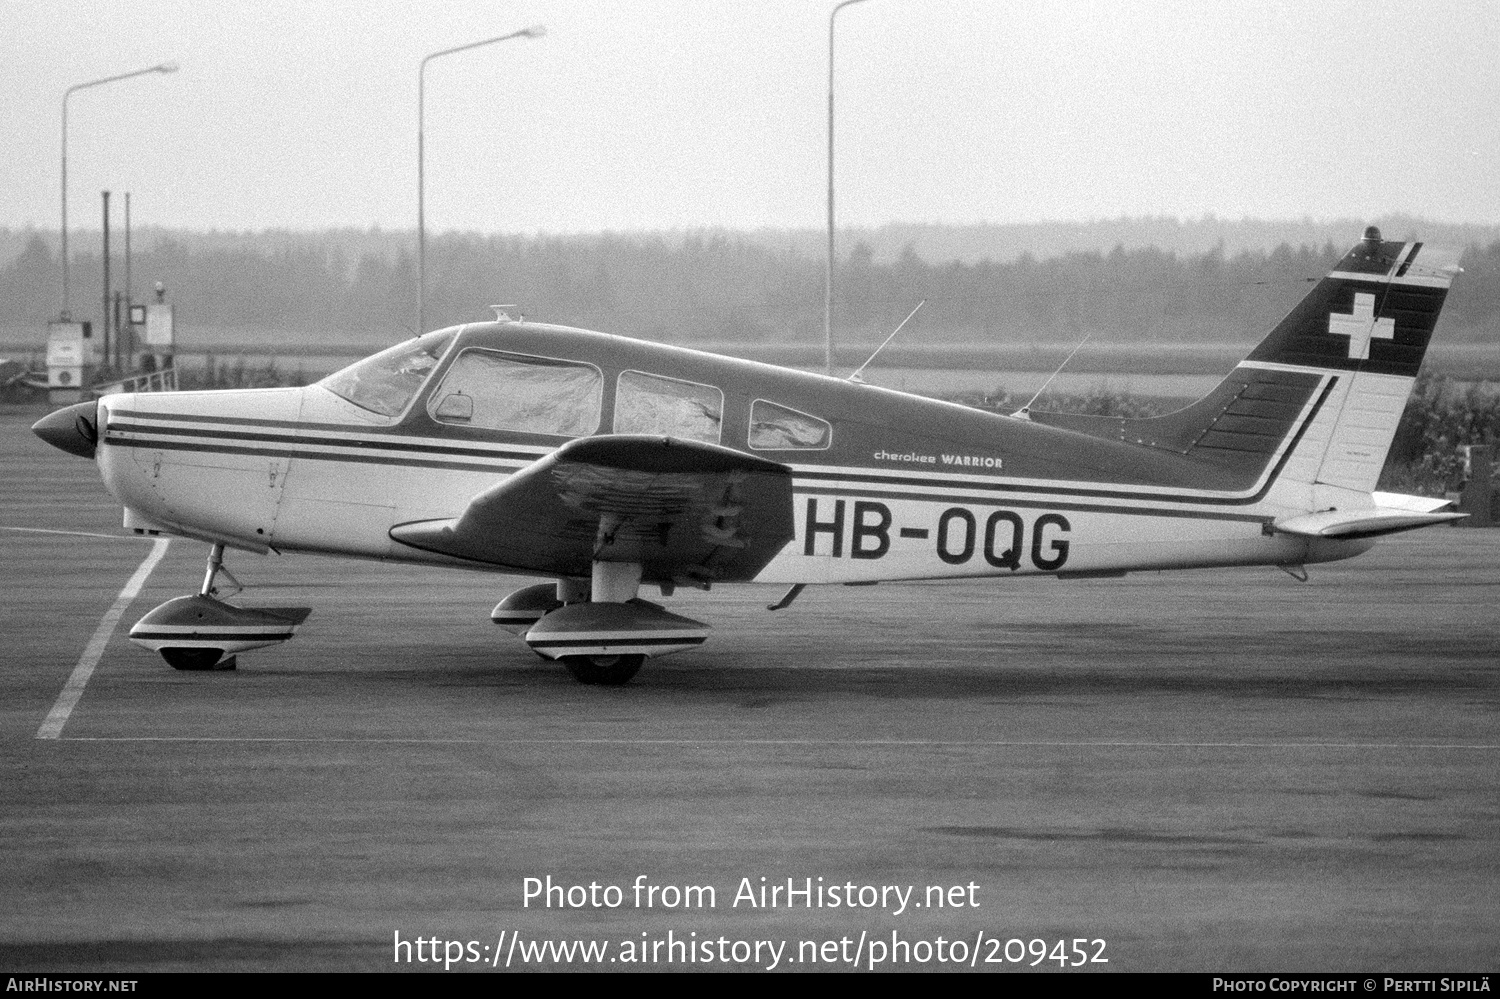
686	511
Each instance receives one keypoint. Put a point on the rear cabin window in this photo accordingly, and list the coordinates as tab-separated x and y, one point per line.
493	390
777	428
651	404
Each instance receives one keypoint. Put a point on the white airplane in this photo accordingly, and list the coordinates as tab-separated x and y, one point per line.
605	464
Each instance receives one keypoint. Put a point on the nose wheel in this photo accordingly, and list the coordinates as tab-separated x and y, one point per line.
197	660
603	671
197	633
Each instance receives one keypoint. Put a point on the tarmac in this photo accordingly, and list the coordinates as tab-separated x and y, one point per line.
1213	770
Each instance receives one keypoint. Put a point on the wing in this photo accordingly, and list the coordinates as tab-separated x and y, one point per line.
688	512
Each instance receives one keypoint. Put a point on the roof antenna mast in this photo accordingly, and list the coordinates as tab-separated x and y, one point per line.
855	377
1024	413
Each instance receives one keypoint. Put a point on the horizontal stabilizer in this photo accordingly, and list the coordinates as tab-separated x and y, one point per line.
1367	523
1411	504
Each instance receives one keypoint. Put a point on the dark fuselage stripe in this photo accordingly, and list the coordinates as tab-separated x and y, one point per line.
1034	504
799	477
797	487
262	452
253	421
1097	493
349	442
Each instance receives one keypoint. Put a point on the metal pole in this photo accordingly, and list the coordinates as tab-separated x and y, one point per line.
536	31
127	331
105	315
166	67
122	354
63	313
421	204
828	269
127	247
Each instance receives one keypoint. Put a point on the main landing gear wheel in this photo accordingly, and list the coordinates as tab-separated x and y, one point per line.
603	671
192	659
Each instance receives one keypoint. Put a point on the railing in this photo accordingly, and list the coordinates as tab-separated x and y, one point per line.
164	380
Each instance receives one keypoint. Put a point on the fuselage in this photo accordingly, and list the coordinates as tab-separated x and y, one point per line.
885	485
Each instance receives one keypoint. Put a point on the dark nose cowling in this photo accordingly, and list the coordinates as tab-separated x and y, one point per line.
74	429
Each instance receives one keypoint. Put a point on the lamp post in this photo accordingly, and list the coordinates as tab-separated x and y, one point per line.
166	67
828	271
536	31
127	349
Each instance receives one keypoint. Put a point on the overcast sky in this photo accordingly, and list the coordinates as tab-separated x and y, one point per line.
647	114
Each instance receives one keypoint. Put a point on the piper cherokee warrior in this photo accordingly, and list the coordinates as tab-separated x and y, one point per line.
603	464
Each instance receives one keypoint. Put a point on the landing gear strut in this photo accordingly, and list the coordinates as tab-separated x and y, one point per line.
203	659
197	632
213	570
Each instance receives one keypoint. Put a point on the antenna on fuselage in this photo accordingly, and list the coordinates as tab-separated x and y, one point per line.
1024	413
855	376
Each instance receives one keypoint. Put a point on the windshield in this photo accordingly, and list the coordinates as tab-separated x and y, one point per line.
387	382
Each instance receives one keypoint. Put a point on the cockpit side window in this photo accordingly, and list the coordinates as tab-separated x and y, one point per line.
777	428
387	382
495	390
651	404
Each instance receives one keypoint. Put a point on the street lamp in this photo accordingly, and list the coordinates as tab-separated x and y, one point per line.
828	272
536	31
166	67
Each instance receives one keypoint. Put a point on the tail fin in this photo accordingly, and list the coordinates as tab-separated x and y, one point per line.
1317	402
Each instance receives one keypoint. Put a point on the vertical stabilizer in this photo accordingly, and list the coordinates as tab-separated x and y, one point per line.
1363	330
1316	404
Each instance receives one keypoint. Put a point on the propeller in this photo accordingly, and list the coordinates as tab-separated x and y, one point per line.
74	429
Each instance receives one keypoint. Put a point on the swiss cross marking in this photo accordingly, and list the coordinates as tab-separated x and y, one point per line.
1360	325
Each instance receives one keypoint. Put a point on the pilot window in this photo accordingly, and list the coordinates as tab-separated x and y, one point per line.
650	404
532	395
386	382
776	428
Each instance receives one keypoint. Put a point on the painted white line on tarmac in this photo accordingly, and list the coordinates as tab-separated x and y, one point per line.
913	743
291	739
73	689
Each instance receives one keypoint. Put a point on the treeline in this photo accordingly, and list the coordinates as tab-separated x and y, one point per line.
936	243
720	288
